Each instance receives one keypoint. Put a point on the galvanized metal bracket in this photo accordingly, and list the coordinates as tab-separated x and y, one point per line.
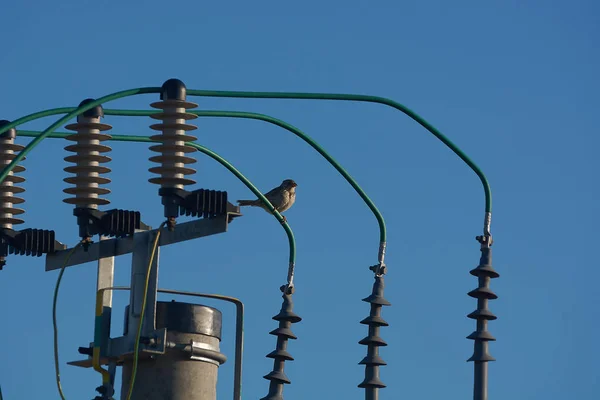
120	349
120	246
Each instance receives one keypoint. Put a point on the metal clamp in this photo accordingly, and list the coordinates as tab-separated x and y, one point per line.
239	336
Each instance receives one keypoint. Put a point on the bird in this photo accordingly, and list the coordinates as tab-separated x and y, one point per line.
282	197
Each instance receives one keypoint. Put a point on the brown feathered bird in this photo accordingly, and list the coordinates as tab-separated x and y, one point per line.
282	197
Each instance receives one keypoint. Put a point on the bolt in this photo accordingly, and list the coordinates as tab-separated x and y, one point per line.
171	221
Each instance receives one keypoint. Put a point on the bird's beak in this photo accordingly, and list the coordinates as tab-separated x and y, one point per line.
294	184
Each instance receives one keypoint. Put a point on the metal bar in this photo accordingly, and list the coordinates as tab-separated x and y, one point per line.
372	394
481	381
106	270
116	247
139	269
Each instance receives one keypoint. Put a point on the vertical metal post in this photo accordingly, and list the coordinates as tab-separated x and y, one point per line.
480	388
139	267
106	275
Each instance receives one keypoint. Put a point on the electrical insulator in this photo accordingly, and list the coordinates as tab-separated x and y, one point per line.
87	168
8	188
173	138
30	242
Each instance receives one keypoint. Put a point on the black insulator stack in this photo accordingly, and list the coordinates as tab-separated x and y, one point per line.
372	383
118	223
484	273
204	203
32	242
286	318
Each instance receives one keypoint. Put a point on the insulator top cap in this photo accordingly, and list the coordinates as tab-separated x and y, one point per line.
9	134
94	112
173	89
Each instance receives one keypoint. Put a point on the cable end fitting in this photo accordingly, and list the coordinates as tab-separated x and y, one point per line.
485	240
381	254
379	269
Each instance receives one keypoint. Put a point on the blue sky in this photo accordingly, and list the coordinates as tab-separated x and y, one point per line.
514	84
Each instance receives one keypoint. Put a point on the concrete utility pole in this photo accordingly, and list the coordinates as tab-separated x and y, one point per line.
188	369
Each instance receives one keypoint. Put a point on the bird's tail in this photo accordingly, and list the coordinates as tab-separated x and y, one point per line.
243	203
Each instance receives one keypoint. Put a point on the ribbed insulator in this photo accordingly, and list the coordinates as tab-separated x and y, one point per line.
87	168
484	273
8	147
286	318
372	383
173	138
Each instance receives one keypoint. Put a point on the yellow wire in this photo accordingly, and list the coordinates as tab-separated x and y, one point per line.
136	351
54	324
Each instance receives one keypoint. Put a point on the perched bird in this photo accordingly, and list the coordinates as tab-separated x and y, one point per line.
282	197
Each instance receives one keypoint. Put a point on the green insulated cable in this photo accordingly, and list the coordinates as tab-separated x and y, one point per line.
208	152
244	115
314	96
368	99
80	110
313	143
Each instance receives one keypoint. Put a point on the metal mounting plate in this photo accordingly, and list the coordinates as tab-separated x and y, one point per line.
120	349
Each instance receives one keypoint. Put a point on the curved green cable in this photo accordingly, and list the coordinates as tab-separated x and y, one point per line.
313	143
232	114
208	152
364	98
290	128
61	121
285	95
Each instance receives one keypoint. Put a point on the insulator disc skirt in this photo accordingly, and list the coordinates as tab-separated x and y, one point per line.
171	159
162	115
88	148
180	139
175	126
171	181
86	190
83	202
10	147
175	170
11	210
87	179
12	189
8	222
98	169
85	126
172	148
164	104
17	169
14	179
85	158
88	136
10	199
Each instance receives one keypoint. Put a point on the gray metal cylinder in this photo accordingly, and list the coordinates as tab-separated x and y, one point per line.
188	369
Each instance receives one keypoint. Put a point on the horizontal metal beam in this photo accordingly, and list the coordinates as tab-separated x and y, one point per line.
117	247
